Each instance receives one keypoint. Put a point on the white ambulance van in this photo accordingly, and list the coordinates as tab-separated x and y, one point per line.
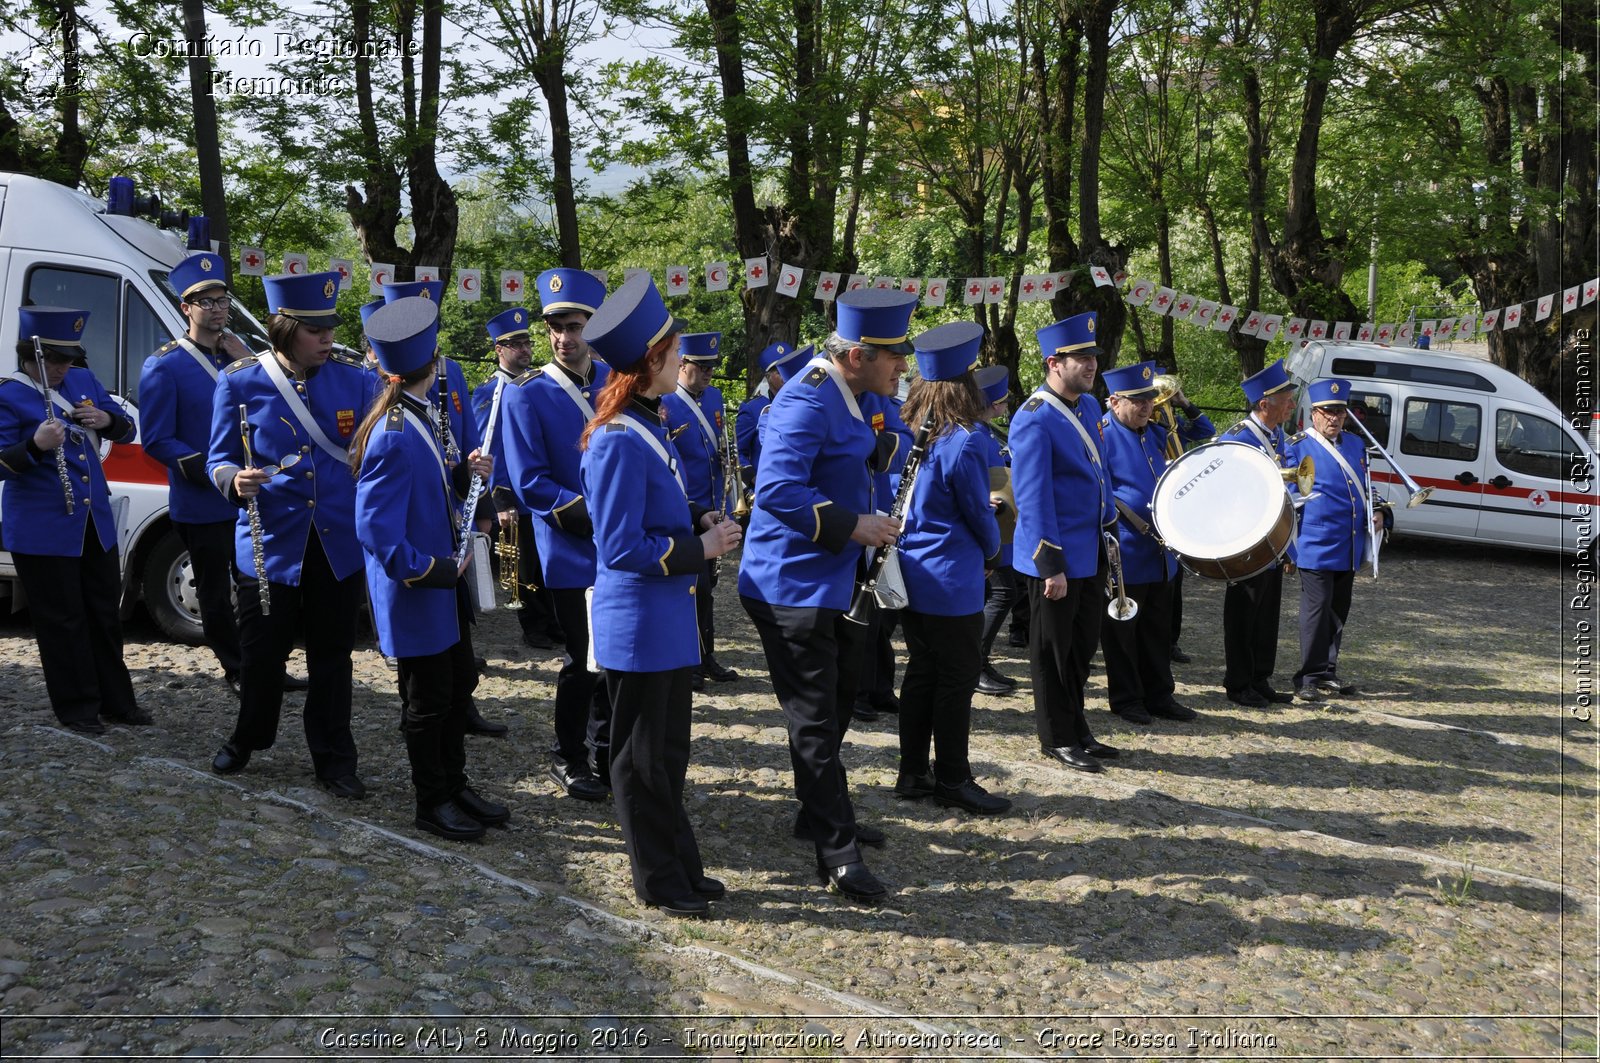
1505	466
59	247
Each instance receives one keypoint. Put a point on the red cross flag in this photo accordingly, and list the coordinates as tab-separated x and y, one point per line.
1386	331
855	282
469	285
1569	298
938	287
1028	289
1490	320
1270	325
1205	311
1446	328
1589	291
1513	316
429	273
296	262
1341	330
1296	329
1183	306
1140	292
911	284
972	294
716	276
1162	303
382	273
512	282
1546	303
677	280
828	287
1317	331
1101	276
993	288
1047	286
1364	332
1223	321
345	268
253	262
1120	276
1251	325
1427	328
789	280
883	283
755	272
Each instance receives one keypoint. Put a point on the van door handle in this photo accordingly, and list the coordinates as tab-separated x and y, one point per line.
1465	479
1501	482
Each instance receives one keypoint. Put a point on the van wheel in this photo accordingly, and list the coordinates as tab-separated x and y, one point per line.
169	591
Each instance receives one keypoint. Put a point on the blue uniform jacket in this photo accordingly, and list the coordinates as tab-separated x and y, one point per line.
482	402
1063	498
316	495
950	535
701	457
1136	461
649	556
747	437
175	407
1241	433
538	442
405	520
883	416
996	456
813	482
1333	526
33	507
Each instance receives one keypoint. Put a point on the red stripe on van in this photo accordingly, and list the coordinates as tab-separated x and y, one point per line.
129	464
1485	490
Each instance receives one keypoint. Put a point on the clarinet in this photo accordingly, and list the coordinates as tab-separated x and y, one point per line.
861	608
475	488
50	418
447	438
258	549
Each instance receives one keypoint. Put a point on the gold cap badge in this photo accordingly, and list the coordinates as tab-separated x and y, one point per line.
327	290
555	283
205	265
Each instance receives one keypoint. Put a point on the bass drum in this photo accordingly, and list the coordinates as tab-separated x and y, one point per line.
1222	508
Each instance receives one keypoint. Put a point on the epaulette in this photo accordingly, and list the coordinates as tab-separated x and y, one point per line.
347	360
529	375
1297	437
616	426
172	346
396	421
240	363
816	376
1033	404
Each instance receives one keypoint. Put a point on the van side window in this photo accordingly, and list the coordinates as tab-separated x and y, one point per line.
1533	445
94	292
143	335
1373	409
1439	429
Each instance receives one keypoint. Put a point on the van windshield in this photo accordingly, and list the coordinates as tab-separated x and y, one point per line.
240	323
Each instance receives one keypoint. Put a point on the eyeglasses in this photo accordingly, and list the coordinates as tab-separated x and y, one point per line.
1332	411
519	344
221	302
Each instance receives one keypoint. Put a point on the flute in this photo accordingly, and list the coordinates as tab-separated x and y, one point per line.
50	418
258	548
475	488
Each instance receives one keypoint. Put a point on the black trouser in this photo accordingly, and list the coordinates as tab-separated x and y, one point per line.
1021	613
323	608
1000	595
1324	608
583	706
1250	630
814	656
1062	633
944	655
210	547
1139	651
1177	605
435	697
538	612
703	606
649	762
875	682
74	604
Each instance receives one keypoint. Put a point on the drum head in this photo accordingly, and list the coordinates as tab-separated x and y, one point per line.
1218	500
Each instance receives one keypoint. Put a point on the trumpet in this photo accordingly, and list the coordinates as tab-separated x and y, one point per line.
50	416
1120	607
733	487
258	549
1419	494
509	550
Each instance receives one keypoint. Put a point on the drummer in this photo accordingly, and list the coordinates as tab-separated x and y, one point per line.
1138	651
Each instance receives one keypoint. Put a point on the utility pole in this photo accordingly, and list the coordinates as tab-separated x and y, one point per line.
206	143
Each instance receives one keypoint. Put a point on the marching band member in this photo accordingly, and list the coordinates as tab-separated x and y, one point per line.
1002	588
541	420
66	558
786	370
1192	427
407	501
301	403
175	390
814	510
875	696
1138	651
692	412
1250	607
951	538
513	351
649	560
1334	536
1063	510
746	426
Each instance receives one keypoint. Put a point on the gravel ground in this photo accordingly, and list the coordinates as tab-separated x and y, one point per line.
1407	872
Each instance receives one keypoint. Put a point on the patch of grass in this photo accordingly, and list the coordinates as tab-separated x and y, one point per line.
1457	893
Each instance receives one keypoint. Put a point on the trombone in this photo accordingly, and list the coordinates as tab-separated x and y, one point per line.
1419	494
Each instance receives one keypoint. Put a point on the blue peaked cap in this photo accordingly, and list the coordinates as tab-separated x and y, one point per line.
508	324
994	381
1071	335
703	348
56	326
1259	385
790	367
563	290
632	320
430	290
1131	381
404	334
948	351
307	297
197	273
877	316
1334	391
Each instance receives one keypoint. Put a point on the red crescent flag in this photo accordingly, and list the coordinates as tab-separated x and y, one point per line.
469	285
789	280
381	272
297	263
937	289
716	276
1545	304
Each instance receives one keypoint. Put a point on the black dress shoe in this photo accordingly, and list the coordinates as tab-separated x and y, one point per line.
230	761
1248	698
477	725
1333	687
996	677
449	820
912	786
137	718
988	685
1274	697
1017	640
697	681
709	888
692	906
853	881
1133	714
886	703
85	727
865	835
1100	750
863	710
715	671
349	787
972	797
488	813
1173	711
1178	655
1075	757
294	682
538	640
578	783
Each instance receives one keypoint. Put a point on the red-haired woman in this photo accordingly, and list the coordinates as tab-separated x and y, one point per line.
644	632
